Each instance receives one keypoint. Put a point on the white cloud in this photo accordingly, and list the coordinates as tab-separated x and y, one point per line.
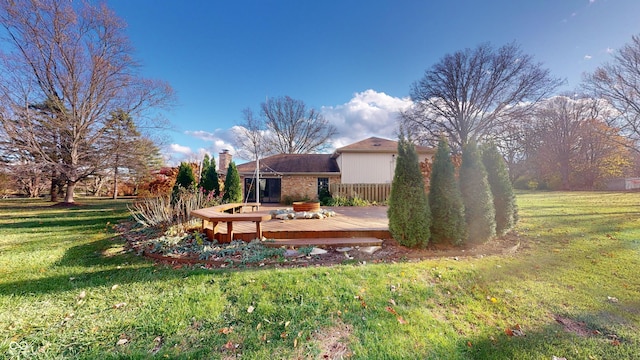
609	50
588	57
220	139
368	113
177	148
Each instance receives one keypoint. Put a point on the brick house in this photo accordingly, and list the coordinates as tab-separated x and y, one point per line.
301	176
289	177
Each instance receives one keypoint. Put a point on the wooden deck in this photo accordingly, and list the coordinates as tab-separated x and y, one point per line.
349	222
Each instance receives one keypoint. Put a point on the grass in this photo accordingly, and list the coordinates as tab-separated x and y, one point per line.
69	290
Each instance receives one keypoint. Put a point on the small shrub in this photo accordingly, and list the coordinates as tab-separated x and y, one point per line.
340	200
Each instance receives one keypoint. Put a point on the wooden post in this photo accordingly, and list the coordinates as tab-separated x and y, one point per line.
230	230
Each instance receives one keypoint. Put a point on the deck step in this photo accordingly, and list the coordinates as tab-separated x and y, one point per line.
324	242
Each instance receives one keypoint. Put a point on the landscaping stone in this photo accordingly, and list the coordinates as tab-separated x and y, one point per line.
290	253
288	214
317	251
344	249
369	249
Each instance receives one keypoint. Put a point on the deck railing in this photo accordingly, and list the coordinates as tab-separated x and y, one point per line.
370	192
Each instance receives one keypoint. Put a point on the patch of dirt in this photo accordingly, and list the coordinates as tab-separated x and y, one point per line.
333	341
572	326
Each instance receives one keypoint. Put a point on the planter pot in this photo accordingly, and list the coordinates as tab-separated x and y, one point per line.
306	206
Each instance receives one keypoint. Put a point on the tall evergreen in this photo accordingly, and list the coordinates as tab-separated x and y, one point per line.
504	199
185	178
445	199
185	181
209	176
480	215
232	186
409	214
206	161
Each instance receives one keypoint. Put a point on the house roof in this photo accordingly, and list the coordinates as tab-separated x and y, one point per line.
378	145
293	164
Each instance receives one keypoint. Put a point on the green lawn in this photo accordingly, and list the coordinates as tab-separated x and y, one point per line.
68	290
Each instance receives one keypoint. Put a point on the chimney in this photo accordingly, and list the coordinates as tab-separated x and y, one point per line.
224	159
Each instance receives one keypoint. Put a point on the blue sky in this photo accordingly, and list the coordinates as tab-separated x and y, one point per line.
353	60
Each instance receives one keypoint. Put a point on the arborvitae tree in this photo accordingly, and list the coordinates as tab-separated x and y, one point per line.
185	181
480	214
445	200
185	177
206	161
504	200
232	186
409	214
209	177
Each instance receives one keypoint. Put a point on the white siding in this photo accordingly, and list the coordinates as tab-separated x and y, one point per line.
368	168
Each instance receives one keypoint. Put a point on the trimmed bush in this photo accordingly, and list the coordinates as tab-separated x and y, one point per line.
504	199
409	214
480	215
445	199
232	186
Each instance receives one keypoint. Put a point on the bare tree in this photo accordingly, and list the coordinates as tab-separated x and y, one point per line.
293	128
470	94
619	83
79	59
251	137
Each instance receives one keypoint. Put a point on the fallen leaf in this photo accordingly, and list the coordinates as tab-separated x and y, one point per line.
259	326
114	287
229	345
119	305
82	295
392	302
284	335
615	342
469	344
612	299
494	300
295	342
158	346
226	330
391	310
401	320
250	309
516	331
287	323
558	358
123	340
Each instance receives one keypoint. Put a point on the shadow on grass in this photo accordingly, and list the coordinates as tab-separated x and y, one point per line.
106	262
102	269
554	339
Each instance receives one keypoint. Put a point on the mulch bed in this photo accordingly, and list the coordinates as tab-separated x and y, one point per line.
391	251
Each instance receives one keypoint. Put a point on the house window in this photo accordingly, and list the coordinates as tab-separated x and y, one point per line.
323	185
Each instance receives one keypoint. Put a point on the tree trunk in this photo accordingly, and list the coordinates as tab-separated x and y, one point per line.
53	192
115	180
68	199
